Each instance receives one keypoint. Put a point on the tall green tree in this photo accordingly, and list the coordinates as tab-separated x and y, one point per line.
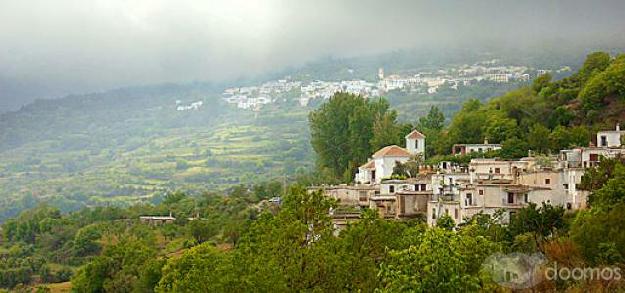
613	189
342	131
499	128
438	261
434	120
467	126
542	221
595	62
117	269
387	131
538	138
432	126
541	82
594	231
514	148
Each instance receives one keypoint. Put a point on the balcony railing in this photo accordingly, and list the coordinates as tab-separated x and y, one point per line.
516	203
445	197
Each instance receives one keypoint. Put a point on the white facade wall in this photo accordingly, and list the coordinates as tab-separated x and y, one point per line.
490	169
385	188
363	176
478	148
384	167
442	180
415	146
577	198
438	209
610	139
472	199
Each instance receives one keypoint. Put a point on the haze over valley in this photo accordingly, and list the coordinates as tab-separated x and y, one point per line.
300	146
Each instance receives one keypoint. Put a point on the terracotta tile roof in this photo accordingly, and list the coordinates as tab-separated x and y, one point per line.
369	165
415	135
391	151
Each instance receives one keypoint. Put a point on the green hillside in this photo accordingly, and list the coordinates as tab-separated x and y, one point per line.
219	239
131	145
120	148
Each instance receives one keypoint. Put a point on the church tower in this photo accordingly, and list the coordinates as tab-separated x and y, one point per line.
415	143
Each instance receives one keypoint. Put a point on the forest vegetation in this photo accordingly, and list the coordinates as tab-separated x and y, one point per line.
244	240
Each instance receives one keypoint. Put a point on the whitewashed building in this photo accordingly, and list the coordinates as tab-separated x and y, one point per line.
485	185
610	138
415	143
384	160
462	149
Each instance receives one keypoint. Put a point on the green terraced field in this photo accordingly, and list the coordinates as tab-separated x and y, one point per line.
192	158
103	157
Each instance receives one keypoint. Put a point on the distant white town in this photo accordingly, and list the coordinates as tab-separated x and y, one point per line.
422	82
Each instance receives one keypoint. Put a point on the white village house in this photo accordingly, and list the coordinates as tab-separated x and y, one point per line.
610	138
383	161
483	186
462	149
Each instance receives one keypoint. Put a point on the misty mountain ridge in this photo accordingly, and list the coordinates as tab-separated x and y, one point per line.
16	92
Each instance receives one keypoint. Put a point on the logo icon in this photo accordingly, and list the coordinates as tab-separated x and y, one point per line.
516	270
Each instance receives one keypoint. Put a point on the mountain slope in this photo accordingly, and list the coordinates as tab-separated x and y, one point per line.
131	145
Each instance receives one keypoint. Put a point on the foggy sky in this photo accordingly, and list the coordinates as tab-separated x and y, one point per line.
51	48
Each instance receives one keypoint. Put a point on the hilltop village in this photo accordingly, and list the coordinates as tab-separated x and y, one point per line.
418	82
486	185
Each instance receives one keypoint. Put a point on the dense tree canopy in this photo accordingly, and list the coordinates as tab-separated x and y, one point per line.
347	129
243	242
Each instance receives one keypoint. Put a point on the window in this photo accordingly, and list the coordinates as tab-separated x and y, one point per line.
604	140
447	211
526	198
469	199
566	186
481	191
510	197
569	206
391	188
456	213
362	195
547	181
497	170
433	214
480	150
416	144
594	157
416	187
423	187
